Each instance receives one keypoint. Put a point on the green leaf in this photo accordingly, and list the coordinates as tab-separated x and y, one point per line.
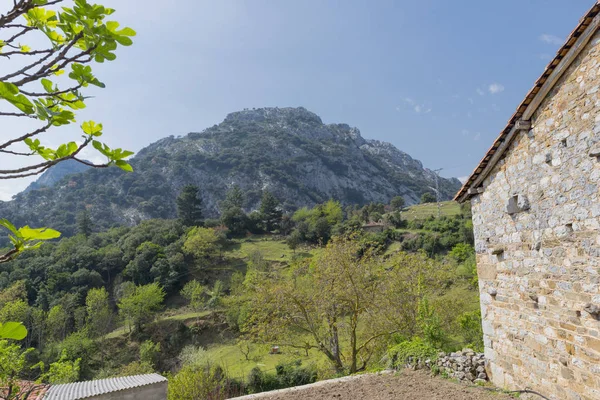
13	330
124	165
6	223
91	128
10	93
47	84
28	233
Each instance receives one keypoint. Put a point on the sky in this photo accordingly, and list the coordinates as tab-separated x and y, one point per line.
438	79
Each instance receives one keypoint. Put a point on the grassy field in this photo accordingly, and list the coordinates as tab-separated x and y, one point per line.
230	357
270	248
121	331
424	211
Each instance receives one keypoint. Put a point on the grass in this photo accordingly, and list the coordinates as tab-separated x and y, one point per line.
230	357
271	250
424	211
122	331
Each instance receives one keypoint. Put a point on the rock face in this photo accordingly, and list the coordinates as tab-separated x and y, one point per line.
288	151
540	292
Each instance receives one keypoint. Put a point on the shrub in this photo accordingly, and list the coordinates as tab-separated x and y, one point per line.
410	351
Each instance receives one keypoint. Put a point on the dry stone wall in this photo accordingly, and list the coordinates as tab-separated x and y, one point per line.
465	365
537	238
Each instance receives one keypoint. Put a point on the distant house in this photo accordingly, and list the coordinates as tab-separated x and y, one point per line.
373	227
137	387
536	215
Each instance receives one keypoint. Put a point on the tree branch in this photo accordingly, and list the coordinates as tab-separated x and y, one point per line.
28	135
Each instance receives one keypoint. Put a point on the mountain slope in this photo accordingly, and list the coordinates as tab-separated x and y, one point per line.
288	151
56	173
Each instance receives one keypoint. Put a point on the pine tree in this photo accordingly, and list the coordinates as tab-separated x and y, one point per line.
84	223
189	206
233	199
270	211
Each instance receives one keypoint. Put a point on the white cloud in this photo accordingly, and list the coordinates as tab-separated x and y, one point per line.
480	92
416	107
477	136
551	39
465	132
471	100
463	179
495	88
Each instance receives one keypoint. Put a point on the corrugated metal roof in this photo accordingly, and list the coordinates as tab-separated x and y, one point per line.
583	25
83	390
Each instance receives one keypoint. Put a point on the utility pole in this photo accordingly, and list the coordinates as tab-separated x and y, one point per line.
437	191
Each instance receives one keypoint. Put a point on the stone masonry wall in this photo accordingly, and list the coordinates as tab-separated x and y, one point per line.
537	238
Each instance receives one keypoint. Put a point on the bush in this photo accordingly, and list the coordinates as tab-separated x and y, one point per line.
411	352
287	375
194	382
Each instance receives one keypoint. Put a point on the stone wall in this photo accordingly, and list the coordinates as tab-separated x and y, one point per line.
537	238
466	366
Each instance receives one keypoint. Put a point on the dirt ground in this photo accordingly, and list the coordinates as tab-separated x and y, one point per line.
407	385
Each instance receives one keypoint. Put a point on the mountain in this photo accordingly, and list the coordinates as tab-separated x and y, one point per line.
56	173
288	151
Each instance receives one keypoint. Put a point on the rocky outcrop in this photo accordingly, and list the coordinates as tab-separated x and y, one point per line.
288	151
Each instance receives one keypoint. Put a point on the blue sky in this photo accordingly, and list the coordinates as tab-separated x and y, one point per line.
437	78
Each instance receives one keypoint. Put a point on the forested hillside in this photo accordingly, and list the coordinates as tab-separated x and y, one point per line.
206	299
287	151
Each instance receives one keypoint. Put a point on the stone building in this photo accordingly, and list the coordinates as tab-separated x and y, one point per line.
536	216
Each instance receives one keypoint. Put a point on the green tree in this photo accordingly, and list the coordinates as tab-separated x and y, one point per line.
270	211
195	293
149	353
189	206
84	223
139	306
331	299
58	322
235	220
397	203
428	197
294	240
233	199
99	315
40	45
202	243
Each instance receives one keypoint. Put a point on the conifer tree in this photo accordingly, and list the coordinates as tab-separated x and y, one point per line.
270	212
189	206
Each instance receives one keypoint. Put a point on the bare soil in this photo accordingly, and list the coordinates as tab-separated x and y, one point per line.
406	385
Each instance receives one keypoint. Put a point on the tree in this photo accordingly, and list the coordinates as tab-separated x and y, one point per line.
195	293
294	240
98	311
201	243
34	86
233	199
189	206
397	203
58	322
427	197
84	223
139	306
347	288
269	211
235	220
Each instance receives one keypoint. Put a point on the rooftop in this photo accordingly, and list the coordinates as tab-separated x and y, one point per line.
84	390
